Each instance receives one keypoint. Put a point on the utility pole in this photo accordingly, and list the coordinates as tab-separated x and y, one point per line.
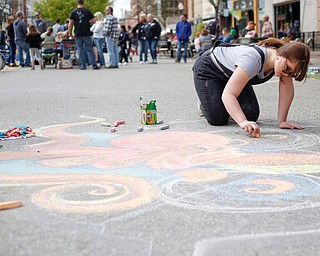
24	10
256	15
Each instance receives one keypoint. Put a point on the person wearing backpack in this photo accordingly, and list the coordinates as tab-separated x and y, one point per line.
224	76
213	28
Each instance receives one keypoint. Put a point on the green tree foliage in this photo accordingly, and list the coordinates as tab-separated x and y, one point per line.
53	9
199	28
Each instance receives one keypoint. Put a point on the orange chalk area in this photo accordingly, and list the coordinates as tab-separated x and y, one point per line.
9	205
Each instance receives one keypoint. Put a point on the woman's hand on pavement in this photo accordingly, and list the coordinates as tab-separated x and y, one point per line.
286	125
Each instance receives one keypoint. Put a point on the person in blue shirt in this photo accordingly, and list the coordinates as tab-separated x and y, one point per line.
226	36
183	31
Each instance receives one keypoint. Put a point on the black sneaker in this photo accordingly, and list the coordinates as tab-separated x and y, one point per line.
95	68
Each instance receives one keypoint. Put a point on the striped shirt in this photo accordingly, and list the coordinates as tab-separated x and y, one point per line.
112	27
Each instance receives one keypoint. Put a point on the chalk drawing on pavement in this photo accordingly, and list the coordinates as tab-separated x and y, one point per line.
194	170
85	193
240	192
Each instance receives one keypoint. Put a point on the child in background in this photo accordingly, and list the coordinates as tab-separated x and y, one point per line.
123	40
62	50
197	42
34	40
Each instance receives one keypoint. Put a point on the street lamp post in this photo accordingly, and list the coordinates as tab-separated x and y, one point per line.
180	7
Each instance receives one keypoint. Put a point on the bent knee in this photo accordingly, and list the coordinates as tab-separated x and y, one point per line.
218	122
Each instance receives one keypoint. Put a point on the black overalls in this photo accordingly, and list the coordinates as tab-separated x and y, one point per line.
210	80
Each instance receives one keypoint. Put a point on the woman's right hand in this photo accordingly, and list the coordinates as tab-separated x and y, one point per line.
252	128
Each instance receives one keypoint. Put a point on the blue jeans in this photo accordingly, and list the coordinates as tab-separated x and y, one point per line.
185	53
12	51
152	45
143	49
85	50
99	44
23	46
113	51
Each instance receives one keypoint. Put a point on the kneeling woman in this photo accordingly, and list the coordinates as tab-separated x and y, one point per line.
224	76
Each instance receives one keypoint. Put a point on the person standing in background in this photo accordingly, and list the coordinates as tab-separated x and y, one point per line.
12	44
112	35
249	31
34	40
40	23
3	38
142	42
183	31
57	27
20	34
267	30
123	40
213	28
98	38
153	31
82	18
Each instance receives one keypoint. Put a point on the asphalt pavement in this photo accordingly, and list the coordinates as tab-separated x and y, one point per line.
192	189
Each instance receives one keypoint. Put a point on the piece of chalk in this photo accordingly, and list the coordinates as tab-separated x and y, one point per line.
113	129
9	205
105	124
257	135
118	123
164	127
160	122
140	129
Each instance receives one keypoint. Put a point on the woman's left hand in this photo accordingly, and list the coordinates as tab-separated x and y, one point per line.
286	125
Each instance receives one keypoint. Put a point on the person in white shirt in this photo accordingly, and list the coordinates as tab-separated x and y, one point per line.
57	27
98	37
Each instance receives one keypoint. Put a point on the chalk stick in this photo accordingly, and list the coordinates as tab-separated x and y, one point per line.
118	123
9	205
113	129
164	127
140	129
105	124
160	122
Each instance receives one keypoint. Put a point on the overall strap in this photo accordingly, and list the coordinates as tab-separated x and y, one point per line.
219	43
261	54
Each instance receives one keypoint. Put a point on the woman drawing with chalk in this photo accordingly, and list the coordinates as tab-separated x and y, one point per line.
224	76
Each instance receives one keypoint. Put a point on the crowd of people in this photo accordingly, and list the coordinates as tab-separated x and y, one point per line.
93	34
